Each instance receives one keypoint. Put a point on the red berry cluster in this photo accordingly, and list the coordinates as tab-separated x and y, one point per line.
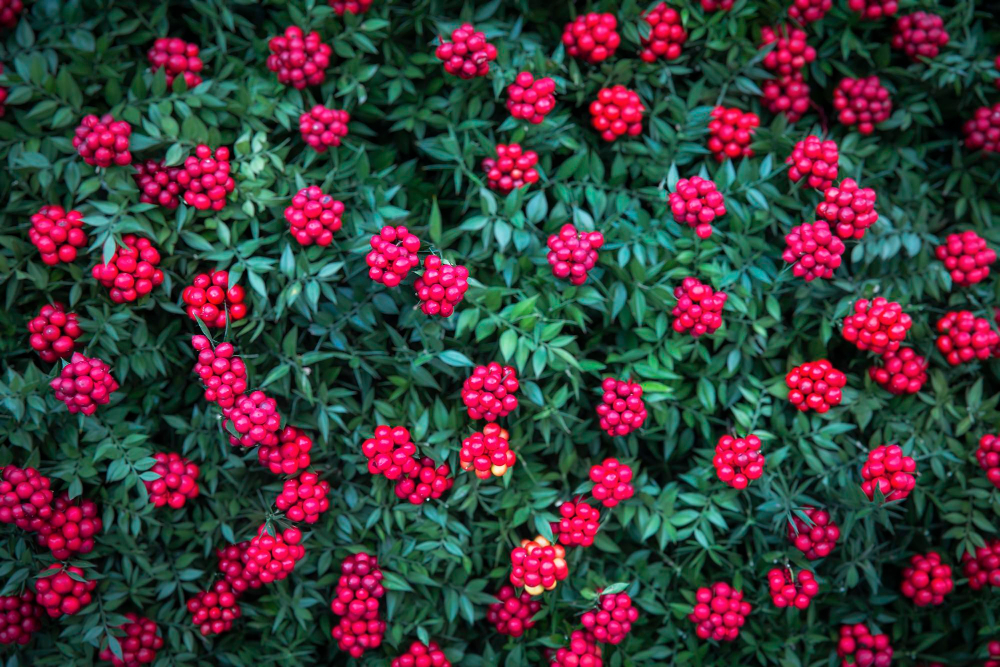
441	286
390	452
699	308
468	54
53	332
666	35
177	58
582	651
393	254
313	217
214	610
901	372
858	646
720	612
206	178
983	568
272	557
178	480
717	5
512	169
322	127
20	617
988	455
888	471
731	131
158	183
422	655
982	131
622	409
538	565
815	385
612	482
791	52
612	619
696	202
10	10
340	7
738	461
57	233
356	601
63	589
70	529
223	374
83	384
816	538
813	251
573	254
299	59
25	496
531	99
966	257
427	480
994	650
3	91
487	452
304	498
289	455
592	37
104	141
131	271
512	613
873	10
848	208
807	11
814	160
920	34
231	565
787	591
139	645
578	524
787	94
926	581
210	299
965	337
255	420
617	111
862	102
878	325
489	392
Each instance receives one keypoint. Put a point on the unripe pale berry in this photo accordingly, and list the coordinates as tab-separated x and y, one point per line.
538	566
487	453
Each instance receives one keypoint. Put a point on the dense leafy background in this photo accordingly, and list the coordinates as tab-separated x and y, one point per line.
342	354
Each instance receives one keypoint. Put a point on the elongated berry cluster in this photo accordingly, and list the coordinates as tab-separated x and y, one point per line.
177	58
966	257
815	385
393	254
210	299
20	617
813	251
441	286
787	591
64	593
573	254
131	271
158	183
53	332
178	480
720	612
791	52
213	611
858	646
489	392
272	557
787	94
426	480
848	208
322	127
612	482
699	308
70	529
206	178
862	102
983	568
340	7
888	471
872	10
531	99
814	160
982	131
512	613
617	111
920	35
815	538
538	565
57	233
578	524
512	169
299	59
901	372
139	645
390	452
807	11
313	217
303	498
231	565
621	409
289	455
223	374
738	461
104	141
83	384
581	651
697	203
255	420
487	452
666	35
468	54
963	337
356	601
10	11
25	496
927	580
612	619
592	37
988	455
878	325
422	655
731	131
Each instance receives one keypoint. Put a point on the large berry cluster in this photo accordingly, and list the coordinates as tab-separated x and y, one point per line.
426	480
25	496
489	392
901	372
63	589
848	208
696	202
578	524
815	161
393	254
214	610
816	538
139	645
53	332
888	471
299	59
422	655
512	613
738	461
963	337
289	455
787	591
983	568
666	34
512	168
617	111
612	619
212	300
813	250
84	383
253	420
592	37
176	58
131	270
858	646
487	452
223	374
720	612
70	529
390	452
862	102
573	254
356	601
441	286
815	385
982	131
20	618
104	141
206	178
313	217
468	54
927	580
731	132
57	233
699	308
612	482
538	565
158	183
920	35
531	99
966	257
178	480
878	325
582	651
322	127
621	409
272	557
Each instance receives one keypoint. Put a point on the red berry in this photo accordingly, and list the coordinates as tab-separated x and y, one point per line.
877	325
612	482
313	217
965	337
158	183
428	480
487	452
697	203
64	593
25	496
612	619
927	580
983	568
104	141
901	372
813	251
791	53
289	455
178	480
738	461
807	11
617	111
272	557
441	286
390	452
211	299
920	35
622	409
468	54
139	644
393	254
578	523
213	611
489	392
699	308
53	332
788	95
815	538
720	612
340	7
253	420
966	257
223	374
422	655
872	10
848	209
322	127
84	384
888	471
573	254
70	529
531	99
862	102
20	617
512	169
814	160
299	59
512	613
982	131
206	178
988	455
582	651
666	35
592	37
231	565
10	11
858	646
177	58
57	233
731	131
538	566
815	386
787	592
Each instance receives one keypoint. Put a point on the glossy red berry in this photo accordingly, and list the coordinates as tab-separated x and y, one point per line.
207	178
25	496
666	34
927	580
617	111
512	613
920	35
322	127
719	612
815	386
53	332
272	557
393	254
289	455
983	568
489	392
20	618
178	481
211	299
573	254
612	619
791	52
177	58
788	95
901	372
70	529
487	453
538	566
787	591
104	141
738	461
858	646
10	11
314	217
731	131
581	651
592	37
422	655
578	524
963	337
848	208
64	593
863	102
131	271
612	482
221	371
622	409
57	233
699	308
468	54
231	565
158	183
531	99
512	169
815	161
807	11
878	325
255	421
813	250
441	287
427	480
83	384
982	131
213	611
966	257
139	644
888	471
815	538
872	10
697	203
340	7
299	59
390	452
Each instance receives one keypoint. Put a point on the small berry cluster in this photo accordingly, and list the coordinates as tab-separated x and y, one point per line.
531	99
104	141
872	10
666	35
299	59
313	217
862	102
858	646
901	372
815	161
982	131
468	54
592	37
697	203
489	392
206	178
223	374
699	308
512	613
573	254
817	538
356	601
888	471
393	254
617	111
487	452
158	183
290	455
815	386
966	257
441	287
987	454
787	591
578	524
621	409
70	529
272	557
83	384
178	481
231	565
878	325
53	332
813	250
25	496
422	655
211	299
253	420
720	612
983	568
322	127
63	590
340	7
538	566
808	11
848	208
512	168
57	233
920	35
738	461
138	646
927	580
214	610
303	498
612	619
177	58
20	618
390	453
427	480
582	651
131	271
965	337
731	131
612	482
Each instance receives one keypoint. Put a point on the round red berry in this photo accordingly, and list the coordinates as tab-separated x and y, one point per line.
573	254
815	161
489	392
963	337
848	208
359	588
303	498
231	565
131	271
340	7
788	95
862	102
719	612
314	217
807	11
57	233
83	384
697	203
422	655
966	257
815	386
888	471
612	482
10	11
738	461
592	37
983	567
393	254
622	409
988	455
531	99
178	481
468	54
666	34
717	5
104	141
53	332
512	168
731	131
299	59
272	557
617	111
70	529
813	250
791	52
699	308
211	299
816	537
901	372
177	58
581	651
322	127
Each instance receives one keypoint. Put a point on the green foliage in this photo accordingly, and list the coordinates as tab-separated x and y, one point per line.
342	354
